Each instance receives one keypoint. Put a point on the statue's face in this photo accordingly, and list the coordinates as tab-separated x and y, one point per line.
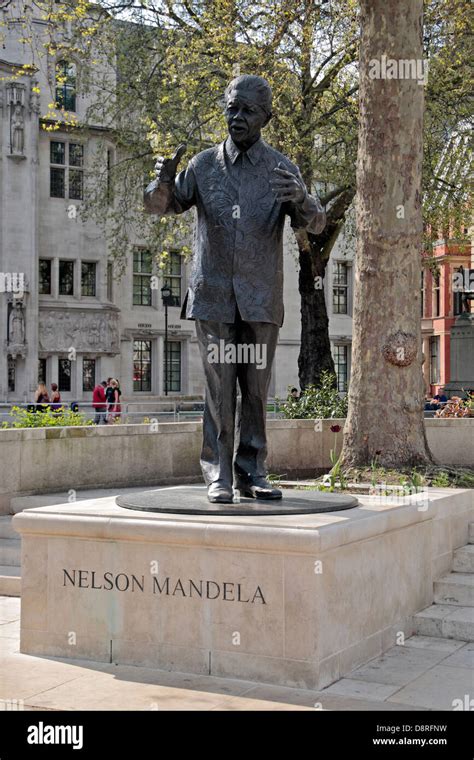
245	118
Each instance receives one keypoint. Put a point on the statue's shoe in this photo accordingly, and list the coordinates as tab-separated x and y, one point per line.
219	493
258	488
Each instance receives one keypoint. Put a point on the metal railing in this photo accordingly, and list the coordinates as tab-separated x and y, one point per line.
135	412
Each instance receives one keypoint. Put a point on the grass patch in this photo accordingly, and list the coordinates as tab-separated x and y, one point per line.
416	478
409	480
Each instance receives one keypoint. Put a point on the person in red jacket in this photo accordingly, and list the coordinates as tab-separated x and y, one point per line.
99	403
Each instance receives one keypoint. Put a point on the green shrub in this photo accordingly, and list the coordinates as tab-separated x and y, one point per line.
317	402
441	480
22	418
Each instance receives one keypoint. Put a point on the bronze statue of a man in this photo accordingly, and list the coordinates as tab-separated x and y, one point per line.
242	190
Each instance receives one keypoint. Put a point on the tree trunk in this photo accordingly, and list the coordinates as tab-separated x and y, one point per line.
314	252
315	350
385	419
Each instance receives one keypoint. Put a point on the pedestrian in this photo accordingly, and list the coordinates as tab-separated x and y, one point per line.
118	406
113	398
41	397
55	397
99	402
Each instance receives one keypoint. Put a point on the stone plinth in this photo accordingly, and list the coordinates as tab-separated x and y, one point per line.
297	600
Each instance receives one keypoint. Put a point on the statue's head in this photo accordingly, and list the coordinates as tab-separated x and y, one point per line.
248	107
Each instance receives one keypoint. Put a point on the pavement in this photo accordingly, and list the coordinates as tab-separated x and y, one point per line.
425	673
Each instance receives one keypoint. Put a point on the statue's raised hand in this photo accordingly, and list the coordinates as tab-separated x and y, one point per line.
166	168
288	186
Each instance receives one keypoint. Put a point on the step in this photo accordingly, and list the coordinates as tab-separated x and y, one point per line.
471	533
455	588
10	580
464	559
445	621
10	551
6	528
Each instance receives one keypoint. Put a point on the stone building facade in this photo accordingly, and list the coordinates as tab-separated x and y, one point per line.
65	316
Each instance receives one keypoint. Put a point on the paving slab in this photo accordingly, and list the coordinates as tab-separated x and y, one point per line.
9	609
435	643
398	666
438	688
350	687
463	658
268	697
107	693
10	630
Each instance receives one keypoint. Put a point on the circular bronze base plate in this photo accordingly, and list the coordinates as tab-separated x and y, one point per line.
192	500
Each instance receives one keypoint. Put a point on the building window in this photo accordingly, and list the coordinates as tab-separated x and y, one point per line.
142	263
436	295
64	375
42	370
174	366
340	288
76	163
44	277
58	170
340	354
172	276
66	278
66	171
11	374
142	365
110	281
434	360
66	76
88	270
88	374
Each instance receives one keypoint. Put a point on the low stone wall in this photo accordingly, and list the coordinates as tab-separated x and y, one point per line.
45	460
451	440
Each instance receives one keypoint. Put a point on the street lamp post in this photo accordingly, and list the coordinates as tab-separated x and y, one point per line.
166	298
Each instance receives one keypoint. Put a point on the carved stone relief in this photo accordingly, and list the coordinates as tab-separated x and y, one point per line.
60	330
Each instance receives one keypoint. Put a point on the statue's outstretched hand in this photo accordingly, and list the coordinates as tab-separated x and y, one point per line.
287	186
166	168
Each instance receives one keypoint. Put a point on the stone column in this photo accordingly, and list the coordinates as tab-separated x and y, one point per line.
19	224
